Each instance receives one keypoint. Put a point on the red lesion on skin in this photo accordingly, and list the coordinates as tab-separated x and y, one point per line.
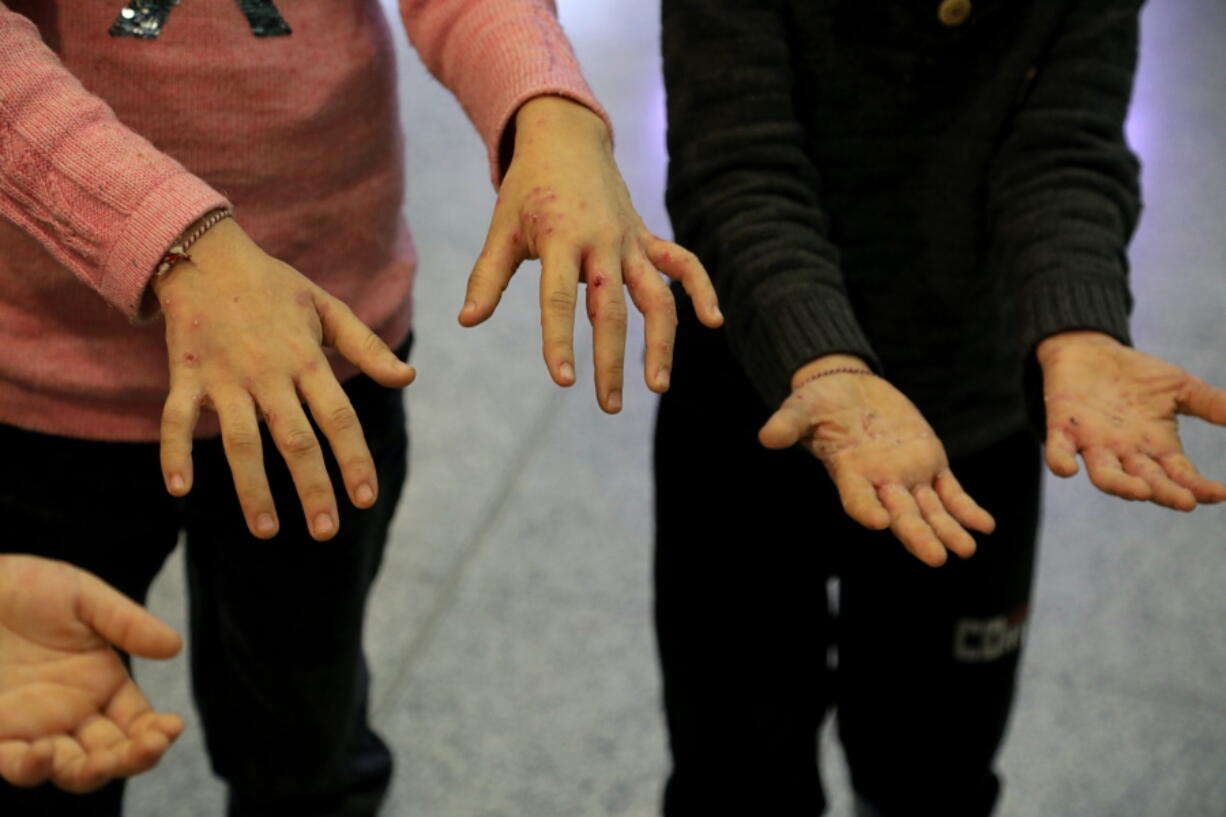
303	298
311	367
191	358
598	280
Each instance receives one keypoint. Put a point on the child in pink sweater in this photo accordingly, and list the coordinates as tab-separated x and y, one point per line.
267	139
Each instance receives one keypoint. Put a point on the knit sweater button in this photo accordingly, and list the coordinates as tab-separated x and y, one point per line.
953	12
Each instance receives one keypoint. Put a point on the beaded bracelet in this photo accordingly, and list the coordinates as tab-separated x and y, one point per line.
178	252
838	370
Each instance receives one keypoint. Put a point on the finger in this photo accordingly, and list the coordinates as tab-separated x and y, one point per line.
1201	400
179	417
961	505
344	332
128	707
1060	452
908	525
785	428
606	308
505	249
123	622
559	284
98	734
1107	474
654	300
78	772
240	437
860	502
147	743
334	414
296	441
169	725
952	535
680	264
1163	490
1179	468
25	764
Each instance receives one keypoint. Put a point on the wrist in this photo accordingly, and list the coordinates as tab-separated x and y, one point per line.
1050	347
187	243
828	363
543	117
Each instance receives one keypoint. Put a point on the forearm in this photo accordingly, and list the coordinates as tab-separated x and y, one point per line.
743	192
99	197
1064	190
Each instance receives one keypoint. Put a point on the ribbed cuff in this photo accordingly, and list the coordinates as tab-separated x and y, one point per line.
146	235
787	334
1063	305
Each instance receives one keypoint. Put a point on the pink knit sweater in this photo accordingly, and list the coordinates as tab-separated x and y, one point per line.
111	146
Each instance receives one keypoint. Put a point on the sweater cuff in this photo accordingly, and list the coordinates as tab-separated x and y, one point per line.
787	335
1061	305
145	237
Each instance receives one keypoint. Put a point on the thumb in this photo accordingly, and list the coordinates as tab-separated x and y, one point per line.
505	248
785	428
123	622
1060	452
1201	400
344	332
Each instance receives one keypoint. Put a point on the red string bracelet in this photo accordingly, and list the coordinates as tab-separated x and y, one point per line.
838	370
178	252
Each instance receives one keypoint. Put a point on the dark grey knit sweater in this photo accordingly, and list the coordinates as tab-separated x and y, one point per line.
861	177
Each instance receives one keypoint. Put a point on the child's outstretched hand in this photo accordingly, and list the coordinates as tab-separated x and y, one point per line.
69	711
564	201
1118	408
245	334
887	463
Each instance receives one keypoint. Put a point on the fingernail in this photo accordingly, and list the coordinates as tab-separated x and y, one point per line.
615	400
663	376
177	484
264	523
323	524
469	307
718	314
566	371
365	494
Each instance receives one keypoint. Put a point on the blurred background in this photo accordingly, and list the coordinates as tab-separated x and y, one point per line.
510	631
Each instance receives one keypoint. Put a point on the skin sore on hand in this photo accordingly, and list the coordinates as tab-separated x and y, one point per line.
304	298
191	359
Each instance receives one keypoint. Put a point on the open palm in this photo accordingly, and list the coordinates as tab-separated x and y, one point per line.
1118	408
885	460
69	711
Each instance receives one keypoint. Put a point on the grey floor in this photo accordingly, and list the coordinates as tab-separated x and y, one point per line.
510	633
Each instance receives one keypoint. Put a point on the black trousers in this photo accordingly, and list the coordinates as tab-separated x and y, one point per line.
747	540
278	672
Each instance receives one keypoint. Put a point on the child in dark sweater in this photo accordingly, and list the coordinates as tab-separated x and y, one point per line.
916	217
